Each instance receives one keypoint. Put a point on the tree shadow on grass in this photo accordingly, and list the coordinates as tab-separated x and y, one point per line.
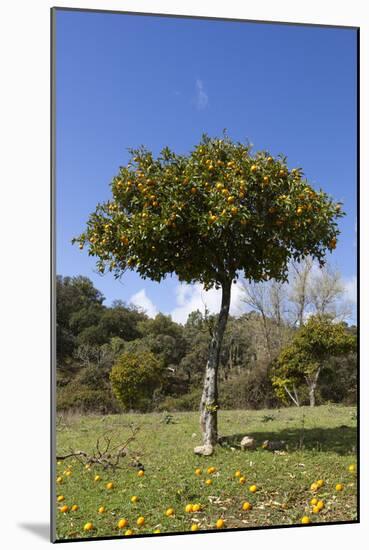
341	440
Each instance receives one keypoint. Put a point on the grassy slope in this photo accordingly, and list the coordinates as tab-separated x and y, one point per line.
321	445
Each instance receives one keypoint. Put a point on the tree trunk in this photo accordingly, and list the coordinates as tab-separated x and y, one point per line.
312	384
209	399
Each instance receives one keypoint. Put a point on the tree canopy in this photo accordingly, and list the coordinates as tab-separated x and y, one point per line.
208	216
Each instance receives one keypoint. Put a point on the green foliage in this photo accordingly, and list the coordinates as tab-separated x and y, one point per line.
312	346
134	378
209	216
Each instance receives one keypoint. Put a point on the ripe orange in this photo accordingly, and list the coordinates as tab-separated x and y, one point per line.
97	478
315	510
339	487
140	521
253	488
88	526
198	472
220	523
246	506
209	481
101	510
64	509
189	508
194	527
314	487
134	499
110	485
314	501
253	168
320	505
122	523
196	507
140	473
211	470
305	520
74	508
60	498
128	532
169	512
242	480
237	474
320	483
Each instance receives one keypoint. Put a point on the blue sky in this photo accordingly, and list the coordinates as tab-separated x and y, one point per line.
123	81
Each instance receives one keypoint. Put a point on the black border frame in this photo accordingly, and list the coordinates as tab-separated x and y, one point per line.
53	12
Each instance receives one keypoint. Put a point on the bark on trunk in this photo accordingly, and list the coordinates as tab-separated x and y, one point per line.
209	399
312	384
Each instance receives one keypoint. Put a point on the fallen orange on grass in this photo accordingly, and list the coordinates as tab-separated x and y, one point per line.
246	506
220	523
88	526
169	512
305	520
122	523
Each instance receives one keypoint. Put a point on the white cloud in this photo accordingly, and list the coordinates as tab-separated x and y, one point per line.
141	300
192	297
202	99
351	289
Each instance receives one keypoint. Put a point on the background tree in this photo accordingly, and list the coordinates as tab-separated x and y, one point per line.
208	217
134	378
315	343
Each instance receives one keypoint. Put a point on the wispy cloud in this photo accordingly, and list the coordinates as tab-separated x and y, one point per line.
192	297
202	98
351	289
141	300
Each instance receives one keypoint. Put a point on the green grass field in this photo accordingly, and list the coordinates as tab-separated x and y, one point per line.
321	445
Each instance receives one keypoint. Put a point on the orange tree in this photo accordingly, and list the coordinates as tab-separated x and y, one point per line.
208	217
